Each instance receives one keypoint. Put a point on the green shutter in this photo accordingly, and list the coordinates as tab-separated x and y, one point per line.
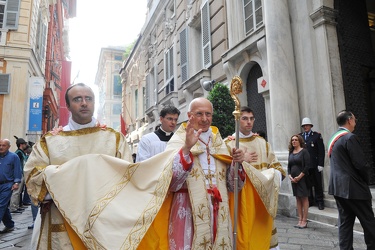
12	14
184	55
206	35
43	41
4	83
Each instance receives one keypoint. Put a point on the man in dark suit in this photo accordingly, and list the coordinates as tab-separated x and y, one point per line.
315	146
348	182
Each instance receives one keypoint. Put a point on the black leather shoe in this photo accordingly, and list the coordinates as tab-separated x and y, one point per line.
6	230
321	206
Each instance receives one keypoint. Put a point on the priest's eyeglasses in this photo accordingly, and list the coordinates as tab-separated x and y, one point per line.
171	119
79	99
245	118
201	114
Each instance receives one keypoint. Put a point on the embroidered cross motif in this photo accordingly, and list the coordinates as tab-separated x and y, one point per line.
223	244
209	177
195	173
205	244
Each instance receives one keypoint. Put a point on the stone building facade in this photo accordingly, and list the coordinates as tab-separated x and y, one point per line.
32	51
58	66
296	59
109	85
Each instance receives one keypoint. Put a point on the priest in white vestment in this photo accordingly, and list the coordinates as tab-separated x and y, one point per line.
82	136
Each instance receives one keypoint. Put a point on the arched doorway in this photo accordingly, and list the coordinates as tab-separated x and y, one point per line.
255	100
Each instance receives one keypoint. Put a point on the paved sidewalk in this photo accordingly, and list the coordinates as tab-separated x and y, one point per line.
20	238
316	236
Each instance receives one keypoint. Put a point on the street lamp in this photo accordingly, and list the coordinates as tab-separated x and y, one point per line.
208	85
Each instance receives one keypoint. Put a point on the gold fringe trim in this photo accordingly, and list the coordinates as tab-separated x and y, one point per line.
43	192
57	228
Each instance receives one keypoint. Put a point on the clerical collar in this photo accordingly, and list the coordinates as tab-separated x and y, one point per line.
246	136
163	136
72	125
166	133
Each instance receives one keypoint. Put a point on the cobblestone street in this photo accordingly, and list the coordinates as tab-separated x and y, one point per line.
315	236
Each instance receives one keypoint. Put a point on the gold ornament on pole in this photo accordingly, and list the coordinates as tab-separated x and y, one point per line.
235	89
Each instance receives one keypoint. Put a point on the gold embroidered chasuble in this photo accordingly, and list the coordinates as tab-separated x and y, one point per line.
58	149
260	195
201	200
104	202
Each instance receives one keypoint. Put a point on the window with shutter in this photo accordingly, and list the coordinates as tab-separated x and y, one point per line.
38	29
2	25
117	86
154	86
144	99
43	41
184	55
169	86
4	83
41	38
253	15
166	66
12	14
147	93
2	13
206	35
136	102
170	62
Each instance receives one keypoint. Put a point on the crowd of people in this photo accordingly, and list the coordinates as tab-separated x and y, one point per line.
348	179
14	196
185	176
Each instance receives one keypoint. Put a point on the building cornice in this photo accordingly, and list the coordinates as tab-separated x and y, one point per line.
323	15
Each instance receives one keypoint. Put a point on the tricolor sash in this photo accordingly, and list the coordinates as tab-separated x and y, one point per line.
334	138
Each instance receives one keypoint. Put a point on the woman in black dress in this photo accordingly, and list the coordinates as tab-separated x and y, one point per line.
298	169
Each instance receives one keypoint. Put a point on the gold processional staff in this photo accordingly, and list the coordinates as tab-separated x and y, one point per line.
235	89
